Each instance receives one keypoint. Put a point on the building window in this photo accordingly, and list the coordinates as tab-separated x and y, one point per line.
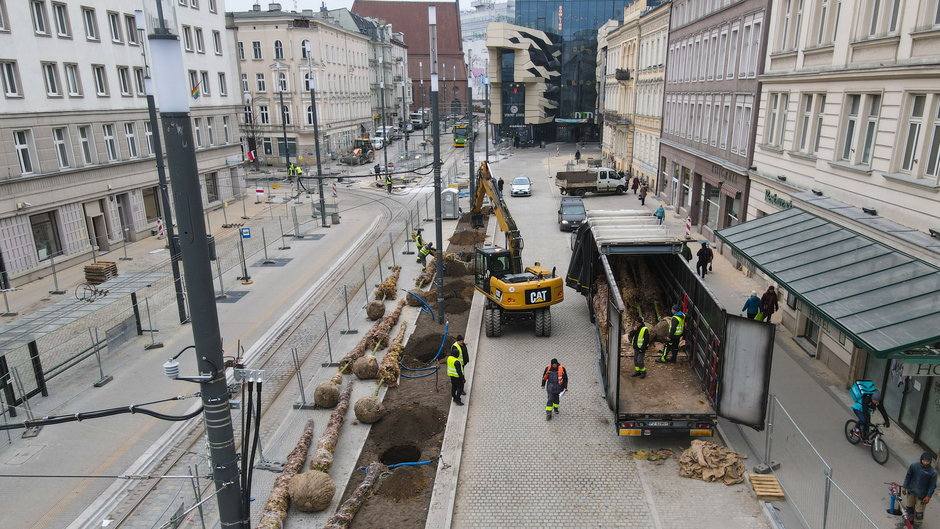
38	10
194	4
139	82
90	22
110	142
205	85
882	17
60	15
862	113
267	146
256	50
87	141
124	80
217	42
101	80
241	51
791	18
850	126
4	25
921	138
50	75
247	115
871	128
285	114
130	134
212	187
812	109
11	79
148	136
187	38
130	24
309	114
114	23
776	118
304	44
151	203
73	84
197	131
212	6
45	234
226	135
23	144
223	89
263	114
209	131
278	50
826	21
308	82
282	81
200	42
732	53
259	81
60	139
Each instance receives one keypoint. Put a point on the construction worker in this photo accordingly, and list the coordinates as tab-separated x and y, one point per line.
640	336
388	182
676	328
455	372
555	381
290	169
462	355
423	253
298	171
419	240
378	171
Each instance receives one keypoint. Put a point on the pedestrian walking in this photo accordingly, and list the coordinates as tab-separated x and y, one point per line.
388	182
555	381
635	185
643	191
768	303
378	171
752	306
676	328
462	355
660	214
705	256
457	380
686	253
499	185
919	486
640	337
577	156
423	252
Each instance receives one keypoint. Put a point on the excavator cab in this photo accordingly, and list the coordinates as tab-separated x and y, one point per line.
491	262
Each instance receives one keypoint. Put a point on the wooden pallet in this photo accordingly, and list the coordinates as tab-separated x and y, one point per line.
99	272
766	487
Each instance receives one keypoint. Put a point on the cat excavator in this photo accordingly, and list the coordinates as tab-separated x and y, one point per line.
513	293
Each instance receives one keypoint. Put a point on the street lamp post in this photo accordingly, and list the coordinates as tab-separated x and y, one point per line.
316	133
436	134
470	140
284	114
424	102
170	87
385	135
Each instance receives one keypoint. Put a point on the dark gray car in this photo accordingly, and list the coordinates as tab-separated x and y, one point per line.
571	213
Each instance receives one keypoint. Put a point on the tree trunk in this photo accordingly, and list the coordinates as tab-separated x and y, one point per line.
275	510
323	457
347	511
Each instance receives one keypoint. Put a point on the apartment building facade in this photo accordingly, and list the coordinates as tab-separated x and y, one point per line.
77	164
281	56
617	84
711	102
848	136
653	35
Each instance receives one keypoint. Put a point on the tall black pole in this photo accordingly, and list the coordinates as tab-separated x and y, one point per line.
280	94
436	134
486	96
316	143
470	138
404	112
385	135
169	78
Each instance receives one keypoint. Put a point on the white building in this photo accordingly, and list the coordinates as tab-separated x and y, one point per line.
77	168
473	24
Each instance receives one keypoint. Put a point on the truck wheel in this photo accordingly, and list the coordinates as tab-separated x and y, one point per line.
547	322
488	322
497	319
538	322
621	190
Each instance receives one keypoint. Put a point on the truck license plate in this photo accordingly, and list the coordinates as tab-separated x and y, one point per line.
538	295
658	423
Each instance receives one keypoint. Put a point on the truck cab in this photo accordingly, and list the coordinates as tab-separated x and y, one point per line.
609	180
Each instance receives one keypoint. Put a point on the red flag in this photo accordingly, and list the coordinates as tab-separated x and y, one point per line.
251	156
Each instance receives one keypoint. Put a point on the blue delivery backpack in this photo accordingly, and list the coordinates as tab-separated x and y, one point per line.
861	388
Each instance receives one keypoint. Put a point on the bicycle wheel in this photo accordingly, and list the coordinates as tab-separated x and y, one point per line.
879	450
850	435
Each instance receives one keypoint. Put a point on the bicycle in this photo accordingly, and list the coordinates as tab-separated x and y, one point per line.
879	449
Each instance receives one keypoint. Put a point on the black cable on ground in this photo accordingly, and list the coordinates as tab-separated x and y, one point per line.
254	445
246	436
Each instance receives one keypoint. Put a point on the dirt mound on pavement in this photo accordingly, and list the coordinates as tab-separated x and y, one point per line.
467	237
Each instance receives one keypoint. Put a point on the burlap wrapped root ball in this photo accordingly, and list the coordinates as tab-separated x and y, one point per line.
369	410
337	379
326	395
375	310
660	331
366	367
311	491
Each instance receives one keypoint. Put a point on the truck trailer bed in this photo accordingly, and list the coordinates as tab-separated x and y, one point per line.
667	389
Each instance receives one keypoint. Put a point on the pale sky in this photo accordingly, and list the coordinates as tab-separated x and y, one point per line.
288	5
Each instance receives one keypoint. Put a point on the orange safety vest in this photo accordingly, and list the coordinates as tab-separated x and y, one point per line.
561	373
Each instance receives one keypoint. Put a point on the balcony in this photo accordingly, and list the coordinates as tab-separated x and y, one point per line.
615	118
622	75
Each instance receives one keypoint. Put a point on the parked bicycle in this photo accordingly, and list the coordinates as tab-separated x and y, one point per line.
879	449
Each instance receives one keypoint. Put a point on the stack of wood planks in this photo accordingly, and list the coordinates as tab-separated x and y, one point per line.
99	272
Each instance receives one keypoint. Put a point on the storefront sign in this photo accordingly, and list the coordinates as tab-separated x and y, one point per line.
775	200
722	172
920	369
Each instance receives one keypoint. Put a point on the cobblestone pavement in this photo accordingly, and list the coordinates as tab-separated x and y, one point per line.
519	470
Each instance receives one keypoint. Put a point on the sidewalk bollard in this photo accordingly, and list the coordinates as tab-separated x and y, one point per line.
245	278
225	223
329	345
32	431
153	343
244	210
303	404
125	258
6	303
284	245
94	343
391	250
218	266
55	278
378	265
349	330
264	242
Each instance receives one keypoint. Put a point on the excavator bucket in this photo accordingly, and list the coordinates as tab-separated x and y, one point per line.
477	220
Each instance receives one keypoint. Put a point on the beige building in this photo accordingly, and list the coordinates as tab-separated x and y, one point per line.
77	164
617	84
277	72
653	39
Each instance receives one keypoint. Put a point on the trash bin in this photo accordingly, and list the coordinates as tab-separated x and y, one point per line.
449	209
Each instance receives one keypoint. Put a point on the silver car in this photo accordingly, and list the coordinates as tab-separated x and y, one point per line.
520	186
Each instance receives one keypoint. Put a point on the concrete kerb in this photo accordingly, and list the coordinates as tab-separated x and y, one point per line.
444	492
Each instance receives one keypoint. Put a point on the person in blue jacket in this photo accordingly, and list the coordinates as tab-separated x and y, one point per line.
752	305
919	486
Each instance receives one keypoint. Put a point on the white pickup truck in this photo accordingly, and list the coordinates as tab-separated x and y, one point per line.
592	180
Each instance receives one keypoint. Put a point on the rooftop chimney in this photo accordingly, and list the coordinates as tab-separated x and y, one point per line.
274	6
256	7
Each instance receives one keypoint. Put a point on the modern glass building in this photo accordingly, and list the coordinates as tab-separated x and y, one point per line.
572	25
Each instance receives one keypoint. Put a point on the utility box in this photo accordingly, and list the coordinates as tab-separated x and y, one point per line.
449	208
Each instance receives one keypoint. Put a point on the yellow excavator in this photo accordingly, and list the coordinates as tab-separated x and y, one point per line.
513	294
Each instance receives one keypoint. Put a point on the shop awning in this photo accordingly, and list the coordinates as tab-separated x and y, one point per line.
885	301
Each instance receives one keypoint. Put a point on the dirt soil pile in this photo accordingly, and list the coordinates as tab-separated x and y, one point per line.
466	238
710	462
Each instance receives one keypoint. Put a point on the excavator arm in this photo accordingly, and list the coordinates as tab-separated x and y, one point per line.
486	187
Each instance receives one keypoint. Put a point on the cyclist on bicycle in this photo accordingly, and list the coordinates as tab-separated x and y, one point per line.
863	408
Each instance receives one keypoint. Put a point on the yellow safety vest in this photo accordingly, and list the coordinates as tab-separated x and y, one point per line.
424	250
298	171
388	180
680	325
452	366
418	242
641	336
460	353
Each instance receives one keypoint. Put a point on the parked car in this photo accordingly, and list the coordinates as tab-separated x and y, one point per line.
520	186
571	213
378	143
